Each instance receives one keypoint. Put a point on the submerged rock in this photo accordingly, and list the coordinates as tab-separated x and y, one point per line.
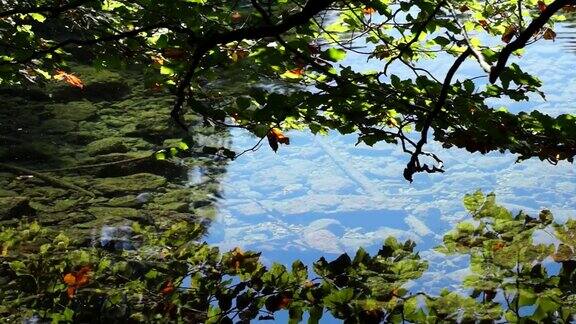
57	126
14	207
106	146
125	201
76	111
129	184
113	212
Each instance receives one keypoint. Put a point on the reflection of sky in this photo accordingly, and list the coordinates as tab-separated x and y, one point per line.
323	195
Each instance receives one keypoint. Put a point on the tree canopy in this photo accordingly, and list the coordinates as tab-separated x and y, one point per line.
278	64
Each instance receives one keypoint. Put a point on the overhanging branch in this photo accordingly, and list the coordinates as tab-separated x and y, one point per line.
525	36
414	164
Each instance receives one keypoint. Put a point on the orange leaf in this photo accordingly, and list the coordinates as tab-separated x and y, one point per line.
483	23
70	279
368	10
276	136
157	59
71	291
541	6
167	288
83	276
297	71
69	78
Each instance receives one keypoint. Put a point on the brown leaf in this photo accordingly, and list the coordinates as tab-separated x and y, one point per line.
236	17
368	10
71	292
483	23
167	288
549	34
510	32
285	301
69	78
463	8
174	53
541	6
276	136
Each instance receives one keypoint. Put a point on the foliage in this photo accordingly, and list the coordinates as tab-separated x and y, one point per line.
172	276
285	64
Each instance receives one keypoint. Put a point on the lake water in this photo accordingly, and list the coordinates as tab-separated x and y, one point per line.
322	195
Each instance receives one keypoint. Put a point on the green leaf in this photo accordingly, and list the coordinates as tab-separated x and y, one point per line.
335	54
38	17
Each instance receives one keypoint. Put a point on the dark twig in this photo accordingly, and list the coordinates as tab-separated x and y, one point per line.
414	164
54	10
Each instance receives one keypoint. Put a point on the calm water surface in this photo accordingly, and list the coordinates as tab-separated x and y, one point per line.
323	196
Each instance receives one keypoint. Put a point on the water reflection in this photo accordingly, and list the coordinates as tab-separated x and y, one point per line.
323	195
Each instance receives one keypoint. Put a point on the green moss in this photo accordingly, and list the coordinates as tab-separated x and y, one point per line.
75	111
58	126
130	184
107	145
113	212
14	207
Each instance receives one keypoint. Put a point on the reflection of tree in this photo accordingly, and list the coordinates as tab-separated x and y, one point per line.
173	276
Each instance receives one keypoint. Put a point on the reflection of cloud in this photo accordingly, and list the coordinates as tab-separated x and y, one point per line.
268	193
417	226
356	238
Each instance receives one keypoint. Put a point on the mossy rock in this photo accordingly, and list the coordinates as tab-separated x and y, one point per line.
46	193
58	126
102	213
7	193
178	195
164	168
76	110
58	206
174	206
106	146
33	151
129	184
124	201
15	207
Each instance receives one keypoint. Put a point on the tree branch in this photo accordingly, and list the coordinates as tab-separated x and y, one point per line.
54	10
525	36
268	29
414	164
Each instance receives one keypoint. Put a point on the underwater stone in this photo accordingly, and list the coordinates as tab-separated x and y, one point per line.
175	206
76	110
124	201
106	146
56	126
133	183
7	193
35	151
14	206
113	212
